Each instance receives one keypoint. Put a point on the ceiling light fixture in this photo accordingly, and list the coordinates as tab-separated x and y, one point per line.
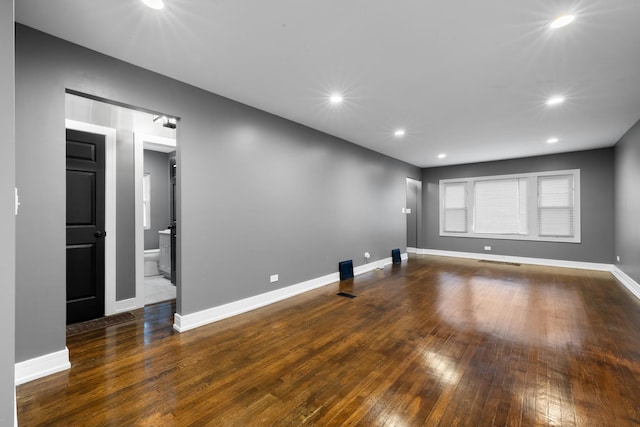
168	122
552	140
555	100
399	133
154	4
336	98
562	21
442	156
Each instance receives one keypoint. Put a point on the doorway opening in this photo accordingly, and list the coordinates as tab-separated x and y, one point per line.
413	212
129	132
155	160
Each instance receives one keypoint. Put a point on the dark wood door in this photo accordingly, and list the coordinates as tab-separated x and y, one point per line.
85	225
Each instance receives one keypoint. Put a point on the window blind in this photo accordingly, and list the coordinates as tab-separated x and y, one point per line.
501	206
555	206
455	207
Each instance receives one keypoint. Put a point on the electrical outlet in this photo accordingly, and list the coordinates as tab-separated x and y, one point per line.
618	258
367	255
487	248
273	278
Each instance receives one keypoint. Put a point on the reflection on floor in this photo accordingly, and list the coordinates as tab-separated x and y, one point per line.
157	288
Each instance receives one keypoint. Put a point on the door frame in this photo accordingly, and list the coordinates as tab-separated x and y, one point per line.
141	139
110	306
418	214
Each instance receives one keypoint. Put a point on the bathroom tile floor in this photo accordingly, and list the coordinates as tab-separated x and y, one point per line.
157	289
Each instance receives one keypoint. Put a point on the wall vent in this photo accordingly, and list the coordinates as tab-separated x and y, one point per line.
499	262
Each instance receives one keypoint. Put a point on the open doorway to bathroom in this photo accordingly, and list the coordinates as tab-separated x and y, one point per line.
140	142
157	164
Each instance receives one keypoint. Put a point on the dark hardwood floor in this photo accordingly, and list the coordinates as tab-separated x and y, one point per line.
435	341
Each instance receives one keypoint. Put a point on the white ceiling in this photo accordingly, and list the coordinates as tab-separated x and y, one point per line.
467	78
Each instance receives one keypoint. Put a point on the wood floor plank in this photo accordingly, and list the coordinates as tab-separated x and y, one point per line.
433	341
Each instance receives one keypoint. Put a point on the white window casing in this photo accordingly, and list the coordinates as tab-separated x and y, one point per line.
542	206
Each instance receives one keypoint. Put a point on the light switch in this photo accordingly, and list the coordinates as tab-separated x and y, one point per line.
17	201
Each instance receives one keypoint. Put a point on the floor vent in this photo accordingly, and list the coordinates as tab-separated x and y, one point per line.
346	295
103	322
500	262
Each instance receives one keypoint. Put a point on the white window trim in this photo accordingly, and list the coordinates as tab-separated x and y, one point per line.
532	207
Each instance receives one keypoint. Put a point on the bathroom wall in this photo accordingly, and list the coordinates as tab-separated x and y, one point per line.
257	194
156	164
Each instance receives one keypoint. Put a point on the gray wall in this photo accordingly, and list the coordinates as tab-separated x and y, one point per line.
157	165
627	178
7	217
257	194
597	201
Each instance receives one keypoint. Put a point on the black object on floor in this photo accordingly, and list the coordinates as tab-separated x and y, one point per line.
346	269
395	256
346	295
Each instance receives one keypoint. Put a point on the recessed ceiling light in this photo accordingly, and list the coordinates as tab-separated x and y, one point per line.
336	98
442	156
154	4
399	133
552	140
555	100
561	21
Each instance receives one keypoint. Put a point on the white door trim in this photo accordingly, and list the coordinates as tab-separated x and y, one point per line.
139	140
109	211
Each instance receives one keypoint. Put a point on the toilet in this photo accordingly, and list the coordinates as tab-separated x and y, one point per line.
151	259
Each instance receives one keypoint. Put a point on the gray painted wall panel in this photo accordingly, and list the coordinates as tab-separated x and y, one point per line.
157	165
597	216
257	194
7	217
40	234
627	178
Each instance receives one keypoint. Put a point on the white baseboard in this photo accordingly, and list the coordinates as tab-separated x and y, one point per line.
187	322
626	280
42	366
361	269
127	305
412	250
521	260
